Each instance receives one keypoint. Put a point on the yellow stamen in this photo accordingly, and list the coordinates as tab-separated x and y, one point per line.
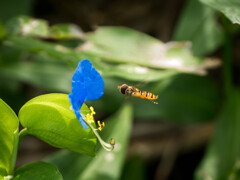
89	118
92	110
101	126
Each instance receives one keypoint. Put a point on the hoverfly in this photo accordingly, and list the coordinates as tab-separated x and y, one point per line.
135	92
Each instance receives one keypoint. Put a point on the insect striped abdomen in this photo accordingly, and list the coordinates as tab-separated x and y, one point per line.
146	95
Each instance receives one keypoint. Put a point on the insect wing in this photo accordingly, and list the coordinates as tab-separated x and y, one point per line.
133	89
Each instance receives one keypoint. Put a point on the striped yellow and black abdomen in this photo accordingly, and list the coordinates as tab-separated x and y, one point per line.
146	95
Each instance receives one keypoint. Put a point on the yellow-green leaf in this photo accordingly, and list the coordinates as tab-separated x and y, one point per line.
8	138
50	118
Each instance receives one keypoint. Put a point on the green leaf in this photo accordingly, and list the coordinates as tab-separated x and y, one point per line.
124	45
36	46
230	8
27	26
198	25
223	154
3	31
49	75
27	73
50	118
37	171
106	165
132	72
65	31
8	139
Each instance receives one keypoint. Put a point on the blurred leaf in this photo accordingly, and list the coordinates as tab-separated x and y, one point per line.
65	31
230	8
8	138
198	25
27	26
3	31
106	165
134	169
132	72
12	8
36	46
45	75
11	89
9	55
68	55
124	45
223	154
50	118
37	171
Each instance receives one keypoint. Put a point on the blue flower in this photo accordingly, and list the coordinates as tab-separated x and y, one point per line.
87	84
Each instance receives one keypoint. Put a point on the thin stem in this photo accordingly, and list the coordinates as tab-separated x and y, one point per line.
21	135
18	138
106	146
14	154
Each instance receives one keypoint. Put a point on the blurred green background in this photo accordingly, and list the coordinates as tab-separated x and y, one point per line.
184	51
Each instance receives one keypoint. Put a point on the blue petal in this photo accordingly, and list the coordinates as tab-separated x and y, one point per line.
91	79
77	102
87	84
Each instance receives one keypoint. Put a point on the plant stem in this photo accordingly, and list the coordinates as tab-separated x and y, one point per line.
18	139
21	135
14	154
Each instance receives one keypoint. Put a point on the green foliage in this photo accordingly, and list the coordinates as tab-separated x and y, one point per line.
31	27
129	46
37	171
53	76
44	56
230	8
8	138
66	31
123	45
222	158
3	31
27	26
50	118
106	165
133	72
198	24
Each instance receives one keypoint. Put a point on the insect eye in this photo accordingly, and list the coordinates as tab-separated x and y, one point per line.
123	88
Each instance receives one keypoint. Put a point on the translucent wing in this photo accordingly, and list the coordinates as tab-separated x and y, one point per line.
133	89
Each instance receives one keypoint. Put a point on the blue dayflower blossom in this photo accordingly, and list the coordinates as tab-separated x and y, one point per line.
87	84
